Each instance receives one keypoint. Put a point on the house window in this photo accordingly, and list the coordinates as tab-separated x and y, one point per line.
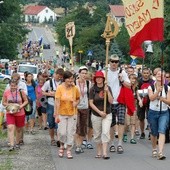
46	10
122	20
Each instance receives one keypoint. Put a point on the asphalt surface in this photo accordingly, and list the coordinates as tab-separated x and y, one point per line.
38	154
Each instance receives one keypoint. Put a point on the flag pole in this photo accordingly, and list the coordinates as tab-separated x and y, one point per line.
110	32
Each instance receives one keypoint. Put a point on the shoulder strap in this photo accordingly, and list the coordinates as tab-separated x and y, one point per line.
153	87
51	84
87	82
21	94
166	88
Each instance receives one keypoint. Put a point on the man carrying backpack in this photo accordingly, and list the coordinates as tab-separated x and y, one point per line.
143	104
48	90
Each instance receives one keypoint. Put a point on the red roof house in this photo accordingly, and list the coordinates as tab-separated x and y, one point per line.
39	14
118	13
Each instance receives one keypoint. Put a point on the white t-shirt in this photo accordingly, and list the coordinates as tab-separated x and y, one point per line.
113	82
46	87
155	105
84	103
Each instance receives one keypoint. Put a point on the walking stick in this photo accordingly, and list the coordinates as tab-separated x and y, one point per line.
70	33
162	64
110	32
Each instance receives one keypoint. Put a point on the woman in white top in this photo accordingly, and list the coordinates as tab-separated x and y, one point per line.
158	116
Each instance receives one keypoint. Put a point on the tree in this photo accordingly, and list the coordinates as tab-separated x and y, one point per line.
167	36
12	31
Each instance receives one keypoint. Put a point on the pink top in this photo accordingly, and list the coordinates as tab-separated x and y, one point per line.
38	94
14	97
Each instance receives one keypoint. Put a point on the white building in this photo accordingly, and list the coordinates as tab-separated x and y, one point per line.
39	14
118	13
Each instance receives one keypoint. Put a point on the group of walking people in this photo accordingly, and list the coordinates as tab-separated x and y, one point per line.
75	107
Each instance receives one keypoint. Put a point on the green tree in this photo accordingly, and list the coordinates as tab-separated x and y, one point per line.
167	36
12	31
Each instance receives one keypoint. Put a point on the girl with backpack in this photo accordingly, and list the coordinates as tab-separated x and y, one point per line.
158	115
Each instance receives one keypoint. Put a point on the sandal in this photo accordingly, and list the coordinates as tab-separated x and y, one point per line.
154	153
112	148
120	149
89	146
124	138
161	156
69	156
53	143
98	156
133	141
61	152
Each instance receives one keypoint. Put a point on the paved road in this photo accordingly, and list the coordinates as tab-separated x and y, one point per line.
48	38
38	154
135	157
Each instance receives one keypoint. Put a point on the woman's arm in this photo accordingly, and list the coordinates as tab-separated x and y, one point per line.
95	108
4	101
154	95
25	100
167	99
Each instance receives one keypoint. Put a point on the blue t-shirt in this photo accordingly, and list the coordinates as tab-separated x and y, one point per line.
31	92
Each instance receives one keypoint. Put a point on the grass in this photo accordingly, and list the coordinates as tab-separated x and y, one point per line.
7	165
3	134
2	88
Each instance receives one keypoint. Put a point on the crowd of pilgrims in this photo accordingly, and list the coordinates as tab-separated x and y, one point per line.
71	106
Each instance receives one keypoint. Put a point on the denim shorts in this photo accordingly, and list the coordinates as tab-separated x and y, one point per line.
158	121
50	117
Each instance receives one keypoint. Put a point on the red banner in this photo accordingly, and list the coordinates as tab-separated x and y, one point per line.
144	21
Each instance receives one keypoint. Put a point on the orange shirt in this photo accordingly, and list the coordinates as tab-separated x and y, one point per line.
66	97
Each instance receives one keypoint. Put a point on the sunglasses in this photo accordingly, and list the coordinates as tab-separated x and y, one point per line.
114	61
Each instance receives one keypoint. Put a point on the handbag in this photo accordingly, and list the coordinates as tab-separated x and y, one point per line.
29	107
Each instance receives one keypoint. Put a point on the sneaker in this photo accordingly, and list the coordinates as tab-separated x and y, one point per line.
142	136
79	150
160	156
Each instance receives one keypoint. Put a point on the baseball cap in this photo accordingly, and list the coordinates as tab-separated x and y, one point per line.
83	68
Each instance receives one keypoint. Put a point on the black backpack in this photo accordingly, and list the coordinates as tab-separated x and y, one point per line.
165	87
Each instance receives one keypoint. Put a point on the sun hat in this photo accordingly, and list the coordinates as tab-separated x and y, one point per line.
114	57
99	74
